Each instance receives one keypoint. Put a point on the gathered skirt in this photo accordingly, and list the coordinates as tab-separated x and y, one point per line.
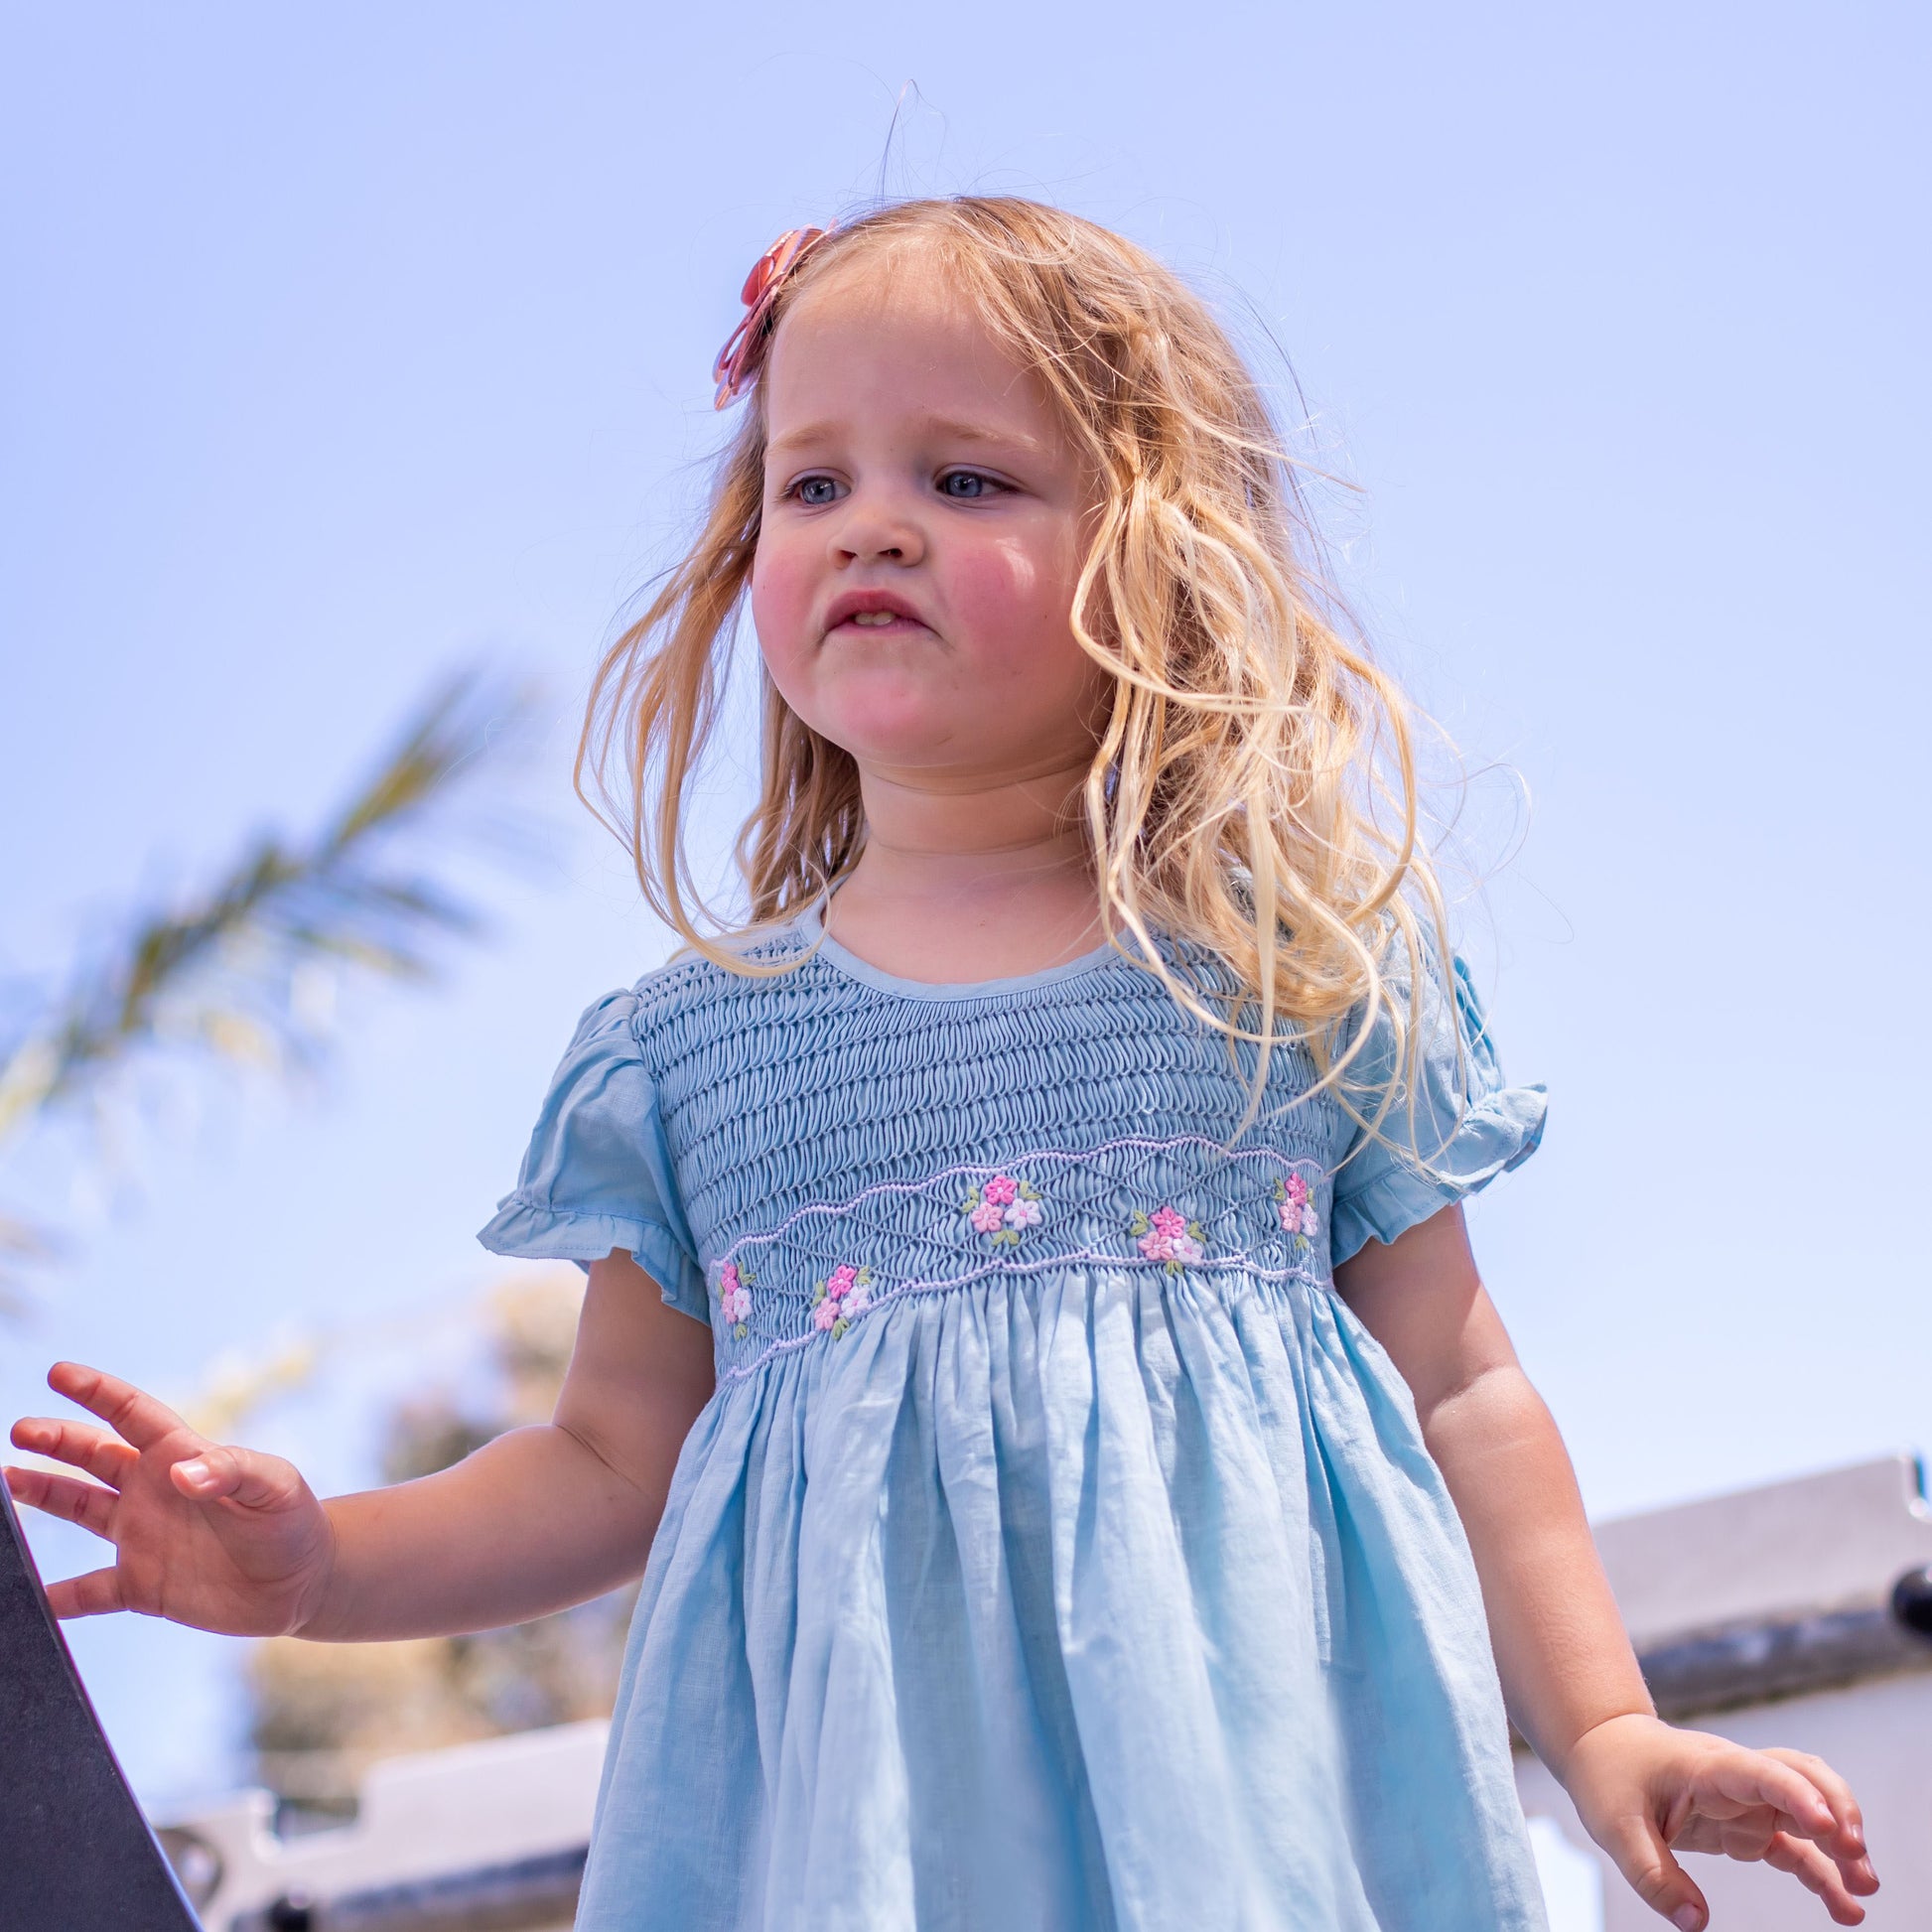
1083	1599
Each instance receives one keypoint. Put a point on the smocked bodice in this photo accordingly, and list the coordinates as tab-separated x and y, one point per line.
808	1146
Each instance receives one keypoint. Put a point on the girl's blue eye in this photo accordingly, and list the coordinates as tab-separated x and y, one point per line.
966	484
816	491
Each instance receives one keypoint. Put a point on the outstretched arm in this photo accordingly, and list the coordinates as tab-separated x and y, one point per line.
1640	1786
542	1517
229	1539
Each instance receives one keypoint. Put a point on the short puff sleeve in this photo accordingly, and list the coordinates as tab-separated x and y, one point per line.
1454	1130
598	1175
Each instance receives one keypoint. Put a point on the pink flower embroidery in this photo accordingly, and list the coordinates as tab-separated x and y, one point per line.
1003	1209
844	1293
1297	1209
734	1297
1166	1235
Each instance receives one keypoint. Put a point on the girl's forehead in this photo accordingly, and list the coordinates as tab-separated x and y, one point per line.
887	325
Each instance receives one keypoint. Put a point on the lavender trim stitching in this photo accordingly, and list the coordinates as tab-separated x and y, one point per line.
1062	1155
1219	1263
1238	1260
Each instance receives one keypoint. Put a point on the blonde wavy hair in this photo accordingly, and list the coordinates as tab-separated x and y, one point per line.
1255	787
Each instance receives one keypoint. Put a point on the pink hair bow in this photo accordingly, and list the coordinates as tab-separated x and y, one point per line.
738	360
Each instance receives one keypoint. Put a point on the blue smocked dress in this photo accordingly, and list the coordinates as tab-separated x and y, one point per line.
1058	1552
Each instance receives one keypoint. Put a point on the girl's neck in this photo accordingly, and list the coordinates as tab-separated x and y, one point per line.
970	880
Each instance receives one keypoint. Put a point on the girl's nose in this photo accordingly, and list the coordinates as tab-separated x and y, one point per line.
876	531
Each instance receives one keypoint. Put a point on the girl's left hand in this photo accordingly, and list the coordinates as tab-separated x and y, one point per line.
1645	1789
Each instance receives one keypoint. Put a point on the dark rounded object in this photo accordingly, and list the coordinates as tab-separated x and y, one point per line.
1911	1600
292	1912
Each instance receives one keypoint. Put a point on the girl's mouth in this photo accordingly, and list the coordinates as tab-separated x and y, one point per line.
879	613
879	623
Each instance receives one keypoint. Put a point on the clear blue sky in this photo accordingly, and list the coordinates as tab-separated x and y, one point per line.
341	342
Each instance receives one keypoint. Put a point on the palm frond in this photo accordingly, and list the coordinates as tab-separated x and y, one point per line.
222	970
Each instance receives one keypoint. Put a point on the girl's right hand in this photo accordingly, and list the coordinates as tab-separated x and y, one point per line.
225	1539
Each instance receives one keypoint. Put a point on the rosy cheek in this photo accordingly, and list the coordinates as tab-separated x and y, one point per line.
783	585
1013	604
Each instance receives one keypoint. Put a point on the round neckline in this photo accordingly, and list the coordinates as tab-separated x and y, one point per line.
810	925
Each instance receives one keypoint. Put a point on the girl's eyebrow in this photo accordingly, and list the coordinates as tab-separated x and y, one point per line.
952	428
964	432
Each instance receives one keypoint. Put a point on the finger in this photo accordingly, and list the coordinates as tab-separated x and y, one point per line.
1746	1779
86	1447
1752	1837
1816	1872
1748	1836
244	1476
86	1503
93	1594
135	1414
1835	1792
1653	1874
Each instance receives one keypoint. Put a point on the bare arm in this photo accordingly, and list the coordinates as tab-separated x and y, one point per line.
1569	1673
1559	1638
229	1539
542	1517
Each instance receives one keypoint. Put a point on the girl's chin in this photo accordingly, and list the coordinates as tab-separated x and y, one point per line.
897	753
903	733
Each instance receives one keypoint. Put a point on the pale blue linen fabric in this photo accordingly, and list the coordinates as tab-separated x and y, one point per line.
1057	1551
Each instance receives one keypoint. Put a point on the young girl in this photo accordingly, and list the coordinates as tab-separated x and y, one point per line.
1031	1351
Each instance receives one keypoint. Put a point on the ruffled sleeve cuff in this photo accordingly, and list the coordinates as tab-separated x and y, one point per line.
598	1177
530	1231
1497	1134
1443	1131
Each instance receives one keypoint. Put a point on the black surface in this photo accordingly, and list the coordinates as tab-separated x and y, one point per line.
76	1852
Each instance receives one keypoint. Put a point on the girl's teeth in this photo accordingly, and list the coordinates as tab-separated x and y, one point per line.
872	617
